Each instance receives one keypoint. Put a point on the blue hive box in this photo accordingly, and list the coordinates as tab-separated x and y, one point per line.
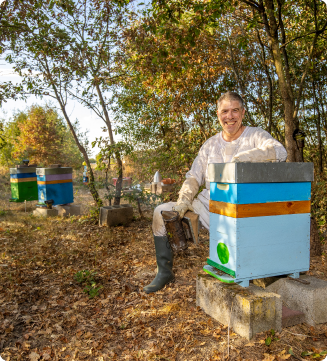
259	220
55	184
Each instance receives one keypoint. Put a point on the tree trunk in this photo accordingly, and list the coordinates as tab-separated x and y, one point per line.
318	123
271	28
293	153
119	183
112	142
91	184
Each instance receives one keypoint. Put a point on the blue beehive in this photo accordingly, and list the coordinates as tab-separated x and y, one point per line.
259	220
55	184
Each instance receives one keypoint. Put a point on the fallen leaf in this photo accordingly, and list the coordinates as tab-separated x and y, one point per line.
26	345
281	356
33	356
88	335
250	344
268	357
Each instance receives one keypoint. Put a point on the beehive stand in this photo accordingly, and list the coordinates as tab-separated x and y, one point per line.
23	184
55	184
259	220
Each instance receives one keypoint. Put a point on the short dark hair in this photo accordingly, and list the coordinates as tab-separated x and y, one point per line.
230	96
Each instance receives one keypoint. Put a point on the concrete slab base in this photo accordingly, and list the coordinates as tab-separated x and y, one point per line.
69	210
44	212
248	310
307	298
115	215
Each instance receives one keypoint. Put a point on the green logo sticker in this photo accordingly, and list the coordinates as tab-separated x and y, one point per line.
223	253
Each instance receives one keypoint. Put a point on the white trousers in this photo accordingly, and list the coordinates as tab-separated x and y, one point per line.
158	226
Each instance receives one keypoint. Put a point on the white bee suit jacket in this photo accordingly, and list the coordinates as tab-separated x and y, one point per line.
217	150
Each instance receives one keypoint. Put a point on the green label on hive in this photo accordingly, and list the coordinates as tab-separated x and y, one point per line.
223	253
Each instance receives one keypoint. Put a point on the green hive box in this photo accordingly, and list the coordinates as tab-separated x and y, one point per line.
23	184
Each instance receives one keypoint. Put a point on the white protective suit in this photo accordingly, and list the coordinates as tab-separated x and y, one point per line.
217	150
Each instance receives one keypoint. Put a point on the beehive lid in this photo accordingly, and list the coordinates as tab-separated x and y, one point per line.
59	170
22	170
260	172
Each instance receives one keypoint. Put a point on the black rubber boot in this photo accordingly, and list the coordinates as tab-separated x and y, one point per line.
165	273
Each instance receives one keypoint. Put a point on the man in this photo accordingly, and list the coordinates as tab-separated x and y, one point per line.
236	143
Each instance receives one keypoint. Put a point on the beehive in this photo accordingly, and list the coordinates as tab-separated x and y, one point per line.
23	184
56	184
259	220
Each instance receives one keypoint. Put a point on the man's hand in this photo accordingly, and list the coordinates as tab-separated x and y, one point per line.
182	208
256	155
186	195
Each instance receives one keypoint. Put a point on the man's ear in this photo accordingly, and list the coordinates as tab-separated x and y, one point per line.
243	112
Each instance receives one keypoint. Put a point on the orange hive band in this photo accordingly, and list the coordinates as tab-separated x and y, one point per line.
55	181
259	209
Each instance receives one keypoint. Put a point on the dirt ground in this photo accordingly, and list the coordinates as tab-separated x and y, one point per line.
46	314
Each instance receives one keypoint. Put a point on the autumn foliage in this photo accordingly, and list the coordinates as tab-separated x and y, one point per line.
45	140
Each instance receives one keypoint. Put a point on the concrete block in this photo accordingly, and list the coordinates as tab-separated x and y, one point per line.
69	210
249	310
291	317
307	298
115	215
45	212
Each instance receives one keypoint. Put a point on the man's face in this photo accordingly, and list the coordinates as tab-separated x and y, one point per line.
230	115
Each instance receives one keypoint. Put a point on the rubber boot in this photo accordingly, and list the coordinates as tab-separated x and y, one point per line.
165	273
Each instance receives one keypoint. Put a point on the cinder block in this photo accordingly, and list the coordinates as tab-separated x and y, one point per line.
292	317
69	210
249	310
307	298
115	215
45	212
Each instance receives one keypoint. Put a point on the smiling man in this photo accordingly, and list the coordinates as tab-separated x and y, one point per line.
236	143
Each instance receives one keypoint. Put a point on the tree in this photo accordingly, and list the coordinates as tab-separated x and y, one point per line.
39	58
9	131
93	34
290	33
40	135
73	45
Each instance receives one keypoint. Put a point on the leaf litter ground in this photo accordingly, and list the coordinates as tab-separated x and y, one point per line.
45	315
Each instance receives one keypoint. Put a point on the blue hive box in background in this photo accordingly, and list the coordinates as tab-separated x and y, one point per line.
259	220
56	184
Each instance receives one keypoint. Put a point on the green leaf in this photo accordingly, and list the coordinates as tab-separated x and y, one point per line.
315	355
268	341
290	351
272	331
323	353
306	353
